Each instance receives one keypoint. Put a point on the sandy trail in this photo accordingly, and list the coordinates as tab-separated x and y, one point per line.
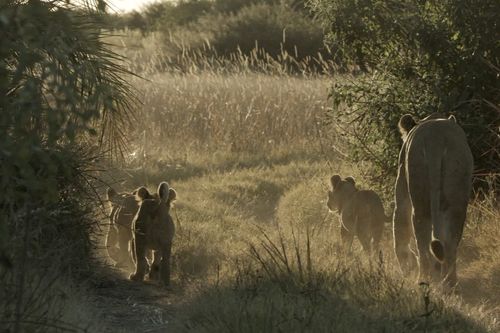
127	306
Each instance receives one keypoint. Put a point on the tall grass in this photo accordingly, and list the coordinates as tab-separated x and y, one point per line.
256	248
242	112
190	53
265	260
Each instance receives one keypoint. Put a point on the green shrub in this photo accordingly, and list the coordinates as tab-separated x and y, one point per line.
419	57
256	34
61	95
183	12
232	31
276	29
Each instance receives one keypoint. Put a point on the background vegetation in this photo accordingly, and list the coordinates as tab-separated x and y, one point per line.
62	97
248	137
270	30
419	57
256	248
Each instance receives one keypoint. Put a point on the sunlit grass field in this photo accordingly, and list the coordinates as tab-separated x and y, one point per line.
256	248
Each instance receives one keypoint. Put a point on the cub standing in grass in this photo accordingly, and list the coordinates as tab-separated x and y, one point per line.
361	213
153	229
123	207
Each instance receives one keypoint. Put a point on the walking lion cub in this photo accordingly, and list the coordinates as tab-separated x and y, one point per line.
153	229
361	213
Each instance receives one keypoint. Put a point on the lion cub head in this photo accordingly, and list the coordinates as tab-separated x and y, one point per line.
164	193
123	201
341	192
113	197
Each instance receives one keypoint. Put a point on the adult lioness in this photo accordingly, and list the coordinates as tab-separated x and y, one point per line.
432	192
153	229
361	213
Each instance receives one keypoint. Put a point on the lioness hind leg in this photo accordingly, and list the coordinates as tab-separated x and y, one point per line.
165	264
140	255
455	219
423	232
402	226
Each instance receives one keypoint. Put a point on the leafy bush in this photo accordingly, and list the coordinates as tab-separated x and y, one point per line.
166	15
419	57
271	30
181	13
61	95
274	28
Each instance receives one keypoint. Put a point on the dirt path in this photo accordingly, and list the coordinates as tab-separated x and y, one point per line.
127	306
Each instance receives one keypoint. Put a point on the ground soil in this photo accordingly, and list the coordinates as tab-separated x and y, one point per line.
128	306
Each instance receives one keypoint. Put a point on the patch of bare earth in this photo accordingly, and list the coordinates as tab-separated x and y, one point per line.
129	306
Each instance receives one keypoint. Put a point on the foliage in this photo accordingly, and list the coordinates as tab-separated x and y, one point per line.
176	14
230	200
234	6
220	29
63	98
419	57
276	29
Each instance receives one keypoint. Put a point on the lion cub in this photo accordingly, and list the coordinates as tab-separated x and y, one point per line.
123	207
153	229
361	213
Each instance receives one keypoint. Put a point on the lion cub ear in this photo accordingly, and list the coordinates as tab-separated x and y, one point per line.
452	118
142	193
172	194
350	180
406	123
110	193
163	191
335	180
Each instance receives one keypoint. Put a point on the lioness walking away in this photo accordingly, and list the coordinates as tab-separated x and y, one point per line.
361	213
432	192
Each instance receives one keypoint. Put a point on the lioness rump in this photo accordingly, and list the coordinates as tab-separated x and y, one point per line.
432	192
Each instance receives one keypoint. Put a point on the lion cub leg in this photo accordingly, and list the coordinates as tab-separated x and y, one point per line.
347	238
141	261
124	239
111	240
366	241
165	263
154	273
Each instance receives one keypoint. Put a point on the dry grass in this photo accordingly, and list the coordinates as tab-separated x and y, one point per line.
259	251
155	53
256	248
